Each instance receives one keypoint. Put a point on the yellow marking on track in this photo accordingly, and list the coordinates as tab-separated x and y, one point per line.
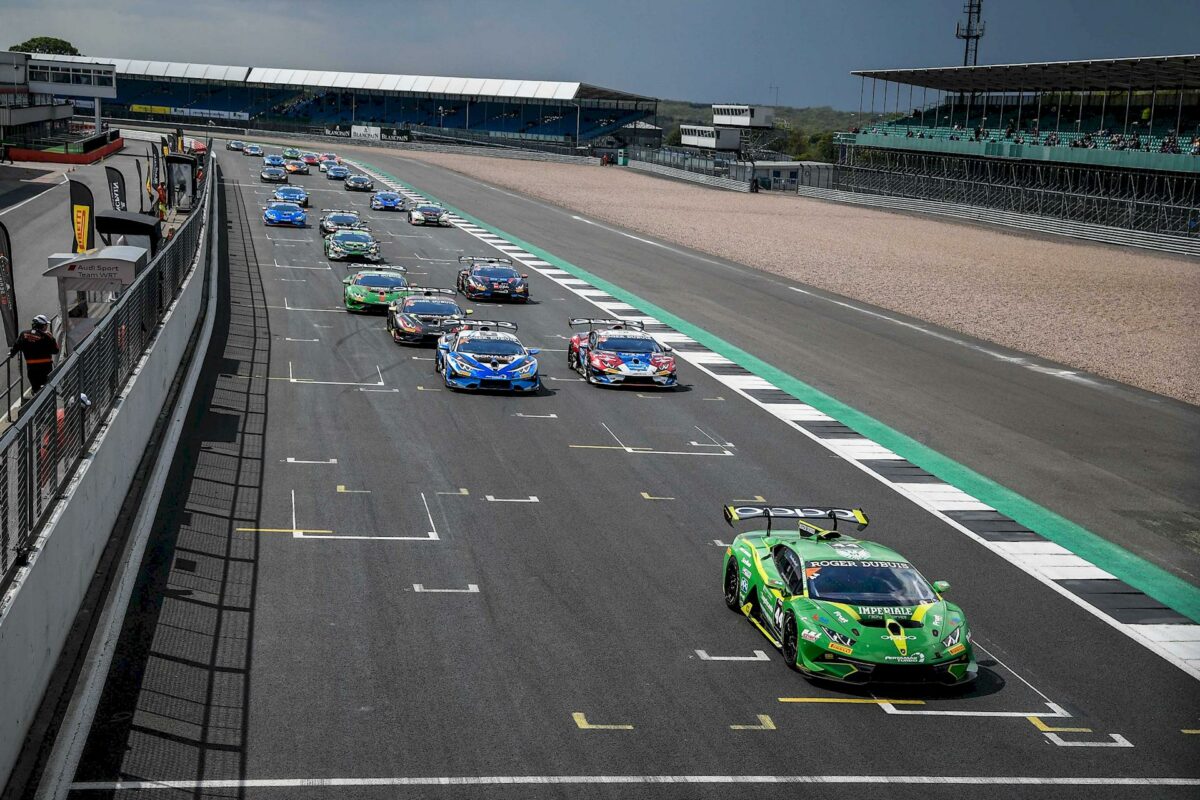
343	490
764	724
279	530
758	498
425	389
1044	728
1190	731
461	492
851	700
648	496
583	724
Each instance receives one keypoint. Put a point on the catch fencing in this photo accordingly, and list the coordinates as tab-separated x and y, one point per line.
40	451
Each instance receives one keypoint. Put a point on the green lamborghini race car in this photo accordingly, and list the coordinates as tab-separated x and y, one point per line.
352	245
841	608
375	289
291	152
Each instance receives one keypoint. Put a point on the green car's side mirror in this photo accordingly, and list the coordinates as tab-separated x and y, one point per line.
470	311
941	587
346	280
776	585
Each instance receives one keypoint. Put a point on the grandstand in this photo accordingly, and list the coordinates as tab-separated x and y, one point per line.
1113	142
296	99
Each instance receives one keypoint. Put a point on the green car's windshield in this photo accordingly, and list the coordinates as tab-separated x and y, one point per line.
380	281
352	238
868	583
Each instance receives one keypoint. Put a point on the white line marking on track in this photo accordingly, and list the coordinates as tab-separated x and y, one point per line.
471	589
586	780
1117	741
290	460
531	499
289	339
759	655
536	416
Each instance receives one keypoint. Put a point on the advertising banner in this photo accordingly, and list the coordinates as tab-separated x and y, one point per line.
368	132
155	173
141	182
336	132
82	213
8	292
116	188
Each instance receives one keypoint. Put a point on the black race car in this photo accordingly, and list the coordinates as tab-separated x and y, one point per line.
359	183
273	175
424	315
337	219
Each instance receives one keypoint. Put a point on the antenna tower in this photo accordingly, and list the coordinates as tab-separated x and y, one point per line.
971	32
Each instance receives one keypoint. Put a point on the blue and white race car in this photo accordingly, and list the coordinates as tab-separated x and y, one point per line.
487	278
619	352
337	173
292	194
273	161
387	201
484	354
289	214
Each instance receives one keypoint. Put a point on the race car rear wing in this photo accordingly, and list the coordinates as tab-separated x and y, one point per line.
487	325
376	268
742	513
470	260
627	324
430	290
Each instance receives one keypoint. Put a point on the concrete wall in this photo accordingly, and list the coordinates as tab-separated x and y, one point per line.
694	177
37	612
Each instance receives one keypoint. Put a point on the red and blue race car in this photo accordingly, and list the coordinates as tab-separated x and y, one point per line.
618	352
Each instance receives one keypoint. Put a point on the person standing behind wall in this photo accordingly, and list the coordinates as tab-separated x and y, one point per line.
38	346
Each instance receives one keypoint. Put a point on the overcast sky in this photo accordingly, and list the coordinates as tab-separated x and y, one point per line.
701	50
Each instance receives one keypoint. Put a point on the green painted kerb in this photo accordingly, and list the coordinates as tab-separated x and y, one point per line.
1164	587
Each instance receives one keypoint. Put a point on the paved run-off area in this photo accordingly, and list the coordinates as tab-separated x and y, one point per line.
333	596
1122	313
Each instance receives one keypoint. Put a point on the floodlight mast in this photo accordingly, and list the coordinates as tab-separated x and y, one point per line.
971	32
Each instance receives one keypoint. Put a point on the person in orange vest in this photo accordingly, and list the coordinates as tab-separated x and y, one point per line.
39	347
162	200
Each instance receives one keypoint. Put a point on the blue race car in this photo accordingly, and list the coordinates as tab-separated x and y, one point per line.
337	173
486	278
288	214
292	194
387	201
484	354
273	161
619	352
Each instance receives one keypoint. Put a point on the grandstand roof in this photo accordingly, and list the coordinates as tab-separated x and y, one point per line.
363	81
1162	72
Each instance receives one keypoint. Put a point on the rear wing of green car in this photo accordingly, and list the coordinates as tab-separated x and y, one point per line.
742	513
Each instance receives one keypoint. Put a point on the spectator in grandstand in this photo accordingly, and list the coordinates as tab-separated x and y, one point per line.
909	135
1196	145
38	346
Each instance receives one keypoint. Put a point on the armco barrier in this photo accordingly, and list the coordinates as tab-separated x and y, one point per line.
45	592
694	177
1028	222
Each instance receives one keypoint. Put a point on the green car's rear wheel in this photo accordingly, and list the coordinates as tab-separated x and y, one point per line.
731	585
791	641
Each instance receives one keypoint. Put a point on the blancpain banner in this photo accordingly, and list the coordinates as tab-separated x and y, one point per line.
364	132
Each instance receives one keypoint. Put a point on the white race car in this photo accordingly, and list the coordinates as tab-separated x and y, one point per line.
428	214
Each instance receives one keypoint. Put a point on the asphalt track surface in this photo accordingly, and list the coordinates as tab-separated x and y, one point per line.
35	207
277	634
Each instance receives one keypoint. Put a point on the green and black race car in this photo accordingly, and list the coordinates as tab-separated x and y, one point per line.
841	608
350	245
291	152
375	289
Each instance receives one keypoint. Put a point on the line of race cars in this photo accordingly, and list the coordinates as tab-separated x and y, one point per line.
470	354
839	609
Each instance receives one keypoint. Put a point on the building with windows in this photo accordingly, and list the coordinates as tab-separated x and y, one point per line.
35	114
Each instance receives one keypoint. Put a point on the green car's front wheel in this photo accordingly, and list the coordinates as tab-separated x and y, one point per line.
731	585
791	641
